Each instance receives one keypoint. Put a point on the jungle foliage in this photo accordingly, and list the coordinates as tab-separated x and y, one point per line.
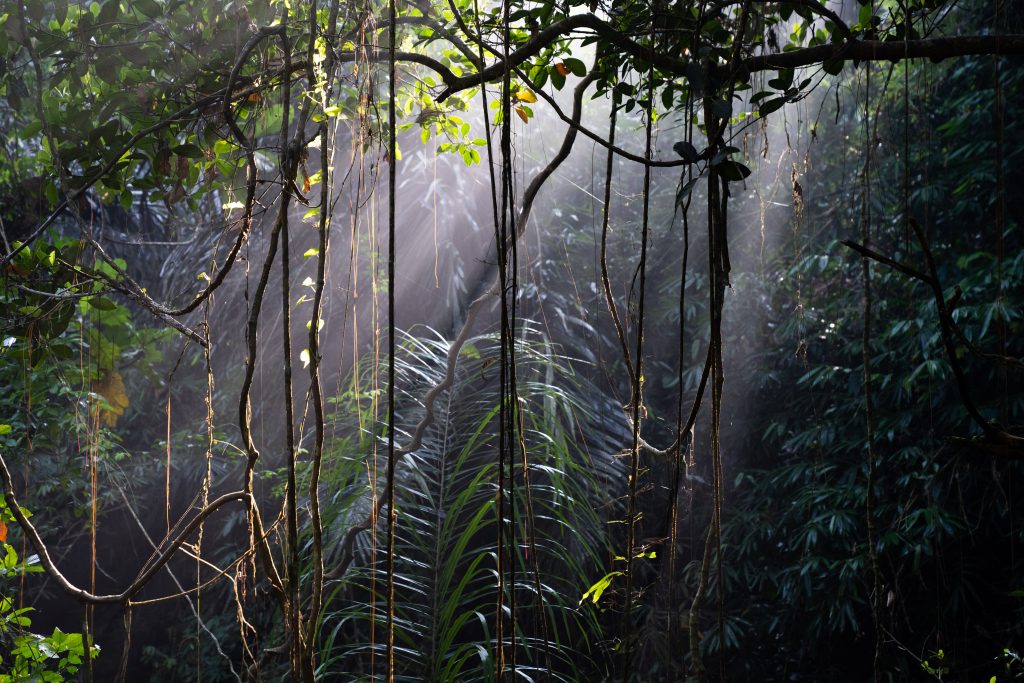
708	409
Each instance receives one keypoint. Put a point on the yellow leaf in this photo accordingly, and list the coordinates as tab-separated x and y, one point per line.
112	389
523	115
525	95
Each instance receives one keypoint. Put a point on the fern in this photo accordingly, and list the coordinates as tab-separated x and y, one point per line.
446	573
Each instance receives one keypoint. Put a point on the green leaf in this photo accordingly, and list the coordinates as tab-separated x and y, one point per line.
597	590
101	304
771	105
576	66
188	150
733	170
687	151
686	189
110	11
557	79
783	81
667	97
832	66
538	78
864	16
148	7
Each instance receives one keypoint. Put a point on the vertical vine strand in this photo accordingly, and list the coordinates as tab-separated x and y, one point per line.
392	161
499	650
869	497
510	401
291	504
504	553
638	381
716	419
208	474
257	537
677	463
324	225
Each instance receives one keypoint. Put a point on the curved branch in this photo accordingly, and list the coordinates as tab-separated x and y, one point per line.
813	5
130	288
133	291
864	50
251	173
381	55
251	330
143	577
569	121
443	31
250	45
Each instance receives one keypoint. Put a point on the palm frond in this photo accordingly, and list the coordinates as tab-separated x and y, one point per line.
446	537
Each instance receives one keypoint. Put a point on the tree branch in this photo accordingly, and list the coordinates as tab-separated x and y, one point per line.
994	433
600	140
866	50
143	577
935	49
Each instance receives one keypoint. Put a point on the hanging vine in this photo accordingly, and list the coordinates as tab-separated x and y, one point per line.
697	60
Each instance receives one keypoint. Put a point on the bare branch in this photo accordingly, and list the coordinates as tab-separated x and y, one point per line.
143	577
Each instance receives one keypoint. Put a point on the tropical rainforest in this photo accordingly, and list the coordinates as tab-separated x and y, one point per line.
533	340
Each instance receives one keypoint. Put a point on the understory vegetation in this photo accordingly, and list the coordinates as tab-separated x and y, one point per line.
449	341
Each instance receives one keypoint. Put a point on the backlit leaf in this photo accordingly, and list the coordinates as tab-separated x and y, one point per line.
526	95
